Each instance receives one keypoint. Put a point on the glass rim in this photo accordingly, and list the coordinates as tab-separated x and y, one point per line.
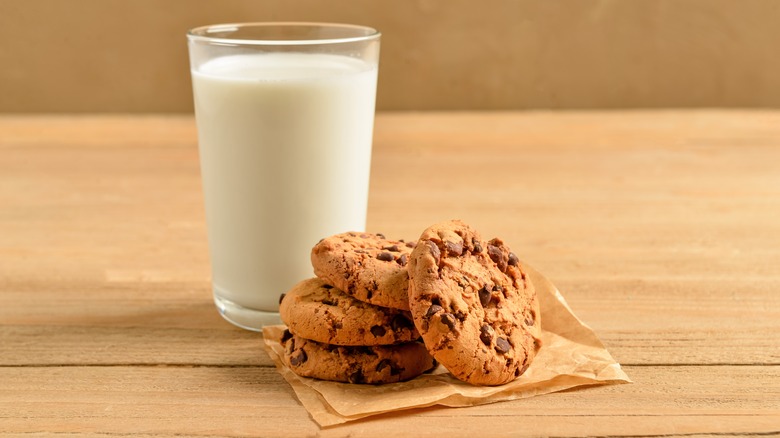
200	34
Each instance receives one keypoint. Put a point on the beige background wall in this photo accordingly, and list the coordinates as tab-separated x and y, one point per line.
130	55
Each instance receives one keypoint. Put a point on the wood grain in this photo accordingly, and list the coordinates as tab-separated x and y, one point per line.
702	324
660	228
255	401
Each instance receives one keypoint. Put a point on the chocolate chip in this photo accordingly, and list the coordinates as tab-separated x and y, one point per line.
401	322
494	253
384	363
403	260
449	320
327	286
363	350
378	330
328	302
393	248
521	370
434	309
286	335
513	261
497	256
454	248
385	257
381	236
298	358
477	246
502	345
410	244
485	334
281	297
356	377
435	252
484	296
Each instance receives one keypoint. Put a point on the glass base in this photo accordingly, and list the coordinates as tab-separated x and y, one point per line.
245	318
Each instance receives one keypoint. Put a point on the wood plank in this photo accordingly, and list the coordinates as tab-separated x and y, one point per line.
112	346
672	321
254	401
62	131
711	324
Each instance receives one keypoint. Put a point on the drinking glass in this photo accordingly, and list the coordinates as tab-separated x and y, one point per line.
285	115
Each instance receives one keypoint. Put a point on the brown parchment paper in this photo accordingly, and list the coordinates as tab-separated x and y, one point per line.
571	356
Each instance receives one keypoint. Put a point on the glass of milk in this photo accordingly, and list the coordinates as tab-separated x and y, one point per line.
285	115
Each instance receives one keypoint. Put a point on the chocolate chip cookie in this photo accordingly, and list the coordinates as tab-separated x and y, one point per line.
318	311
474	305
366	266
378	364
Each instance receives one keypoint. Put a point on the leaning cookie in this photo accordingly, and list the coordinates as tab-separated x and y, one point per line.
315	310
366	266
379	364
474	305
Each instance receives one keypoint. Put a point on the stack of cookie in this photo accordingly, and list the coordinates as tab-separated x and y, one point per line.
352	322
469	300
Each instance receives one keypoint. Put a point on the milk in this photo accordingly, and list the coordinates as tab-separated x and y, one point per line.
285	151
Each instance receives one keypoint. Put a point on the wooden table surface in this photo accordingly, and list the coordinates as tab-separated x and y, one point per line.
661	228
